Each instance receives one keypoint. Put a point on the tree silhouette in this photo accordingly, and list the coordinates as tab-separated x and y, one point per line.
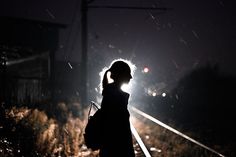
206	103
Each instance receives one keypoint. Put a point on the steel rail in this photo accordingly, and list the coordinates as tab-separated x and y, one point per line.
175	131
139	140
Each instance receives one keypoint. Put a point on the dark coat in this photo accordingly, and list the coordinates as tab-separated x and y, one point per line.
116	133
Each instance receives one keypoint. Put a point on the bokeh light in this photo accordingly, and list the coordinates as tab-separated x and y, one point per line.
145	70
163	94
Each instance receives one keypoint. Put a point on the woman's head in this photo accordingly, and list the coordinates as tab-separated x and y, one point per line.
120	73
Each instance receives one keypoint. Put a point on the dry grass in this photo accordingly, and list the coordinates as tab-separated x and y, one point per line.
52	137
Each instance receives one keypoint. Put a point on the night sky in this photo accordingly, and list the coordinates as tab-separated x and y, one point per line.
189	34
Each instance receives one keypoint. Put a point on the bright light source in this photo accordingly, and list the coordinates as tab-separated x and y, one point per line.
126	88
146	70
163	94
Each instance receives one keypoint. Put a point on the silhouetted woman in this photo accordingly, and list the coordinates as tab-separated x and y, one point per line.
116	133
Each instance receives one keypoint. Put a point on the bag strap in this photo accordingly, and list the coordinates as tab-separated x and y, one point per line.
93	104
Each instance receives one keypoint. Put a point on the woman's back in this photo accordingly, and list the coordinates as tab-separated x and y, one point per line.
117	137
116	133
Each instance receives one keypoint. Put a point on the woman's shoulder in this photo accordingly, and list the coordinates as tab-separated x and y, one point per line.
125	94
112	89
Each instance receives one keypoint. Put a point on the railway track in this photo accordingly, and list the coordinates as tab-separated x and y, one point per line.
143	151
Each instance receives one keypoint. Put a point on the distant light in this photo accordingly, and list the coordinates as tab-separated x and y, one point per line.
163	94
154	94
149	91
146	70
111	46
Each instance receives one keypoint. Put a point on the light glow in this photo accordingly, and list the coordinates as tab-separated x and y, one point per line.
154	94
126	88
146	70
163	94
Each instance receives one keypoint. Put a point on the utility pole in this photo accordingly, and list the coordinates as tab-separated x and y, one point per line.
3	79
84	53
84	38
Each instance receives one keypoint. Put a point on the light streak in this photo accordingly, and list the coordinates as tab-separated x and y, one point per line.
43	55
183	41
195	34
176	65
50	14
139	140
174	130
70	65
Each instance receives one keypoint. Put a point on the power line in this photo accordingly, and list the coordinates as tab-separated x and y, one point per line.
128	7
